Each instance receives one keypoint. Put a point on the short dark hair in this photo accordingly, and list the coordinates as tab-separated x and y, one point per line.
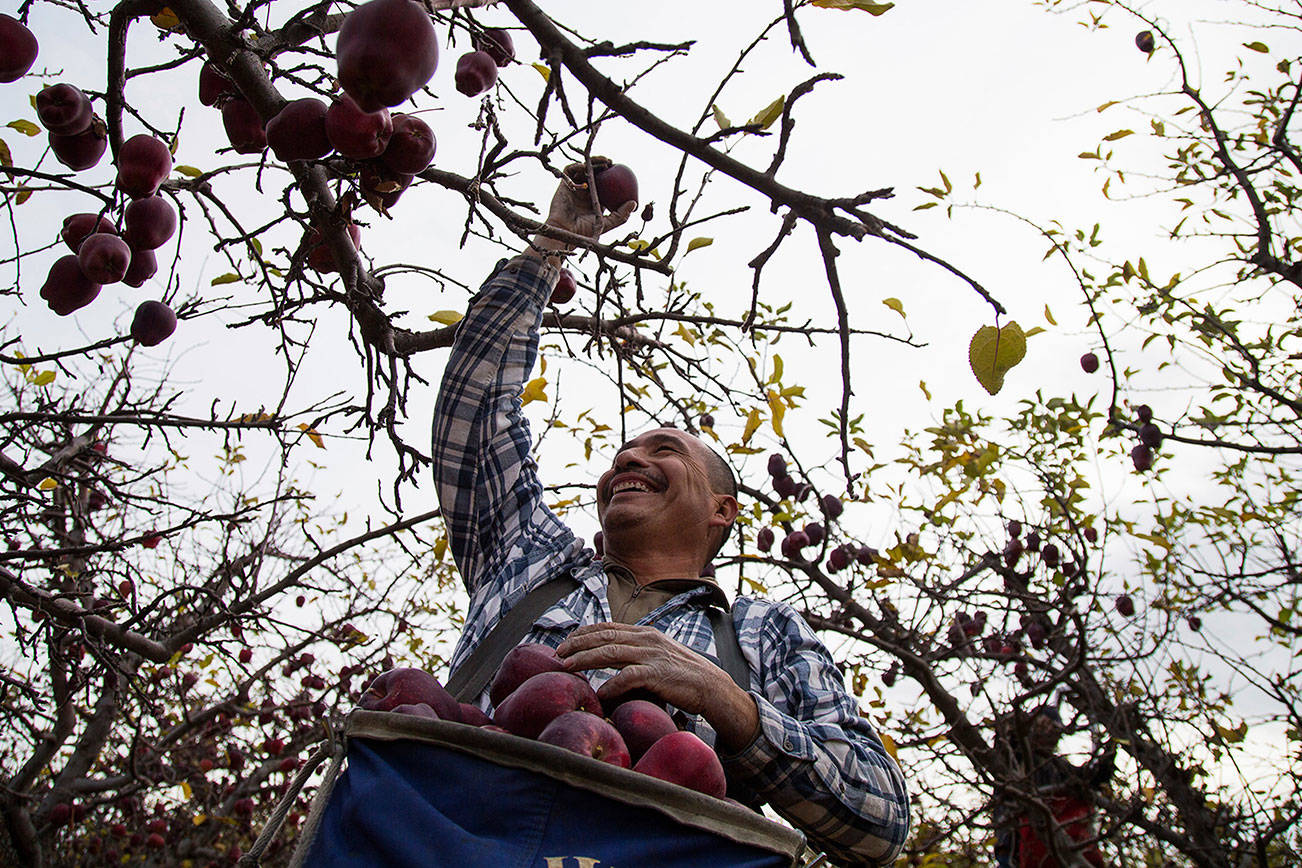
722	481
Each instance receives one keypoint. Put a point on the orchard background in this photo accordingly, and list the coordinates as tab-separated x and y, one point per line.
852	218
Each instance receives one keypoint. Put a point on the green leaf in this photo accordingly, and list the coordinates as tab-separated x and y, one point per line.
1257	46
993	352
188	171
25	127
44	378
871	8
1119	134
228	277
766	116
720	118
447	317
698	242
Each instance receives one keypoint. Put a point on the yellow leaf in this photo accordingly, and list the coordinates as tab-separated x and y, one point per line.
871	8
199	819
1033	331
778	409
993	352
533	391
896	305
228	277
25	127
440	548
1107	105
1257	46
185	789
544	71
47	484
447	317
23	194
777	369
889	744
1048	314
922	384
1155	540
6	158
165	19
720	118
1119	134
311	434
752	425
188	171
44	378
768	114
699	242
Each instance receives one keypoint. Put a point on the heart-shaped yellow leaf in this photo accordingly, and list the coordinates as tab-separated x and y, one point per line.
994	352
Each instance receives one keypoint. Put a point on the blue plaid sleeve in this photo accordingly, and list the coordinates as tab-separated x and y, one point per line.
486	478
816	760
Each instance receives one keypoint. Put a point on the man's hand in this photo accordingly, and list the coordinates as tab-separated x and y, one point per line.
575	209
648	659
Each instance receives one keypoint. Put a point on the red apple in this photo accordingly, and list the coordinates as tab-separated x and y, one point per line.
18	49
1125	605
521	663
542	699
615	186
148	223
682	758
496	43
387	50
1089	363
153	323
408	686
566	287
63	109
642	724
78	227
586	733
243	127
298	131
82	150
473	715
411	147
320	257
356	133
104	257
476	73
419	709
381	185
144	162
213	84
144	265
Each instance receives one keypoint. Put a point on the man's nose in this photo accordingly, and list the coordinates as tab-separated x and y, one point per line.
629	459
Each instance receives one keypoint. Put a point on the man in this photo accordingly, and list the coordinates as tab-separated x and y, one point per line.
638	619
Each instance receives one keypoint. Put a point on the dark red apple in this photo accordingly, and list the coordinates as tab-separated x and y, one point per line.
419	709
542	699
1142	457
144	265
104	257
473	715
588	734
144	162
832	506
387	50
355	133
496	43
615	186
411	147
1144	413
148	223
213	84
409	686
298	131
682	758
521	663
1125	605
1089	363
642	724
476	73
1049	554
381	185
83	150
565	289
63	109
67	288
77	227
764	539
1144	41
320	257
18	49
243	127
1150	435
777	465
153	323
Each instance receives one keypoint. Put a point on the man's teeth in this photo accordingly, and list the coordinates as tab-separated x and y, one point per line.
630	485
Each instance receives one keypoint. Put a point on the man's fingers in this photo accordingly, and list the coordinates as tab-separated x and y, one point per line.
619	216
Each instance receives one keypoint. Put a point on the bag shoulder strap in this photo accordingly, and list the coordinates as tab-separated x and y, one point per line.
473	675
728	648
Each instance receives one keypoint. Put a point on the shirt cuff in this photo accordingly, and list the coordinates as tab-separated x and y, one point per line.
779	738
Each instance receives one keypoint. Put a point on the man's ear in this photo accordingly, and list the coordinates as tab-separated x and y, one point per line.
725	510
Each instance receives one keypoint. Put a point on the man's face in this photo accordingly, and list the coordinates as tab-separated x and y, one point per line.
658	479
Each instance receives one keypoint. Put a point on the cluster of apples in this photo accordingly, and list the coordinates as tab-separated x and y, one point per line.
1150	436
534	697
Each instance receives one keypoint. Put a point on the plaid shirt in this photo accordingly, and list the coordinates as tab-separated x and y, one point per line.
816	761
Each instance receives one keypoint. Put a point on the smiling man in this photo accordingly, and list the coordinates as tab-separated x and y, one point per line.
639	618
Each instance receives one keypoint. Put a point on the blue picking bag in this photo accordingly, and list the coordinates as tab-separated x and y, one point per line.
419	792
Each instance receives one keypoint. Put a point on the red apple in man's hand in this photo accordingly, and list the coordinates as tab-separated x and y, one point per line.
615	186
642	724
586	733
542	699
409	686
682	758
521	663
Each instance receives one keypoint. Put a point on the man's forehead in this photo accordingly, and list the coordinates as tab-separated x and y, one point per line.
656	436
